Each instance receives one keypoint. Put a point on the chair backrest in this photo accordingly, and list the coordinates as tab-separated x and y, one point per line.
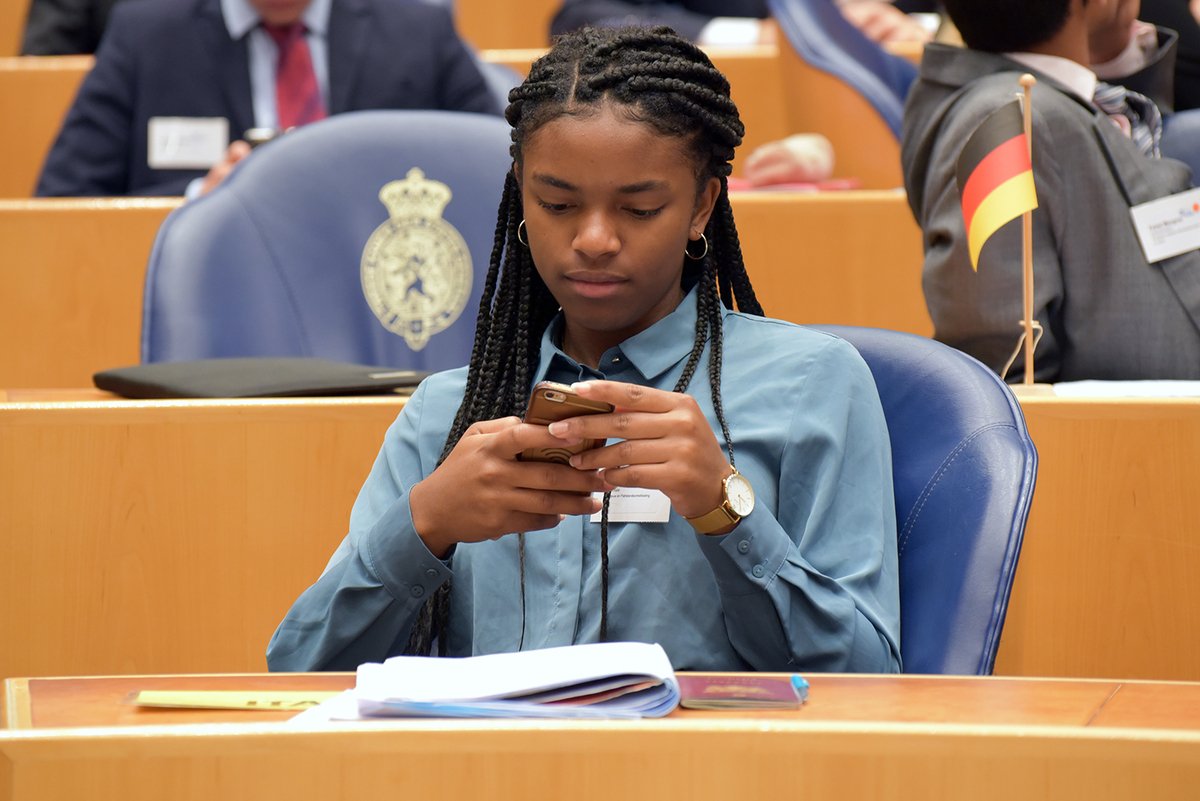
964	469
295	253
825	39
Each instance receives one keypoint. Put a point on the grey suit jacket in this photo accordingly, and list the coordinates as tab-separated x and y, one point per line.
1107	312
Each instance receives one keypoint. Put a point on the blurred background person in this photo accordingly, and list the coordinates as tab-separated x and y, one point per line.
737	22
191	69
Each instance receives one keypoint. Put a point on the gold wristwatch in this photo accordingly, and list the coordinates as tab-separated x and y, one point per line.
737	503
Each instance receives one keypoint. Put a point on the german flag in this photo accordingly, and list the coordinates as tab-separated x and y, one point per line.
995	178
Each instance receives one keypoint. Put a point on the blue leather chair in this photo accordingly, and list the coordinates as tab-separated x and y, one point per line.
964	470
270	263
823	38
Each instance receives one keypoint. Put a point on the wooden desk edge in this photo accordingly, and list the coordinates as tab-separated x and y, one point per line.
15	710
160	734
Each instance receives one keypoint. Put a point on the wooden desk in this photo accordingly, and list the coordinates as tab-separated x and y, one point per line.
136	510
168	536
868	737
72	274
844	258
35	93
1107	583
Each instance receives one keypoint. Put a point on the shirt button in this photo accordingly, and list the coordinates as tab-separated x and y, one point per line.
418	590
757	571
743	546
431	573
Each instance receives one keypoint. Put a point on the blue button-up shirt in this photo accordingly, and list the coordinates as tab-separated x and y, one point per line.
807	581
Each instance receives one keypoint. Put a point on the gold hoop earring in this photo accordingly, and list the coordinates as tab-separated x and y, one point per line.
688	252
519	239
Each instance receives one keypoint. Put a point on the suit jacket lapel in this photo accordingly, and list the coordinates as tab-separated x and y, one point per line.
349	26
1143	179
230	64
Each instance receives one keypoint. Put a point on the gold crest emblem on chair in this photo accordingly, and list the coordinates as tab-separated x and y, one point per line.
416	269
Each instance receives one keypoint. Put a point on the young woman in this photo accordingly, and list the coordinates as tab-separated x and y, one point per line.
615	268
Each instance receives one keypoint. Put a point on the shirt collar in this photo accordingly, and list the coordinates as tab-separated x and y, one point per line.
241	18
652	352
1071	74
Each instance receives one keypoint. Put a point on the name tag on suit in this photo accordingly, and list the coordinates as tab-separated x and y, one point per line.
186	143
1168	226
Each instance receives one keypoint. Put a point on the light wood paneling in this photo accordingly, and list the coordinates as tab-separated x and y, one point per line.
846	258
1107	580
72	273
35	93
493	24
755	80
864	146
148	537
12	26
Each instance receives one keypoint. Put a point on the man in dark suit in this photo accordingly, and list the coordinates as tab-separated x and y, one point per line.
188	63
1108	312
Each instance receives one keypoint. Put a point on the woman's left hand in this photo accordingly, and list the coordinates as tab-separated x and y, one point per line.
667	444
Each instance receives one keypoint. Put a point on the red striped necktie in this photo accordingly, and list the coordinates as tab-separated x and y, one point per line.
297	95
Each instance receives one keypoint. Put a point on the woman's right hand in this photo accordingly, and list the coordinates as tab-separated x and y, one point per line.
482	491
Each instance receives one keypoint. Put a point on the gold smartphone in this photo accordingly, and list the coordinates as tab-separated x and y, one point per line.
550	402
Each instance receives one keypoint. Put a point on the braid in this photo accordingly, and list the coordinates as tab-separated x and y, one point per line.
664	81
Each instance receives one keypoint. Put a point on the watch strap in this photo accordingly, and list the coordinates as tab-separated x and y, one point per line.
715	520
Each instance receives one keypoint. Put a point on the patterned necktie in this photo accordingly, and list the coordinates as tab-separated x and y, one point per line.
1143	121
297	95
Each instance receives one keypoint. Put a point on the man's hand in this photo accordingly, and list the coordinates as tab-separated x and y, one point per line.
233	154
883	23
799	159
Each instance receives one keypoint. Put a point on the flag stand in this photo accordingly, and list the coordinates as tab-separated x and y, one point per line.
1032	329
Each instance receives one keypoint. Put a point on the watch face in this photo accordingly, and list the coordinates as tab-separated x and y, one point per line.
740	495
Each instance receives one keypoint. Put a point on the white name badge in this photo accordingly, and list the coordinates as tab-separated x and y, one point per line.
635	505
1168	226
187	143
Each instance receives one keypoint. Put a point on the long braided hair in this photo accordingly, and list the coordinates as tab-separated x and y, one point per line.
668	83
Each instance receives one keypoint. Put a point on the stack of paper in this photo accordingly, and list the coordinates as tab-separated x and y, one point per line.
597	680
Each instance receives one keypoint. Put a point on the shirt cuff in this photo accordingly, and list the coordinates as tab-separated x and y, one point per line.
193	188
731	32
399	558
745	560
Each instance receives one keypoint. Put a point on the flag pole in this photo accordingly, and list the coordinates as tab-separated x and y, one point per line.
1027	81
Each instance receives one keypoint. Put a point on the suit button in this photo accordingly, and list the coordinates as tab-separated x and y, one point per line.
743	546
758	571
431	573
417	591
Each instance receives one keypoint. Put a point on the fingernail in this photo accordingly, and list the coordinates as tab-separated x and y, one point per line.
575	460
581	385
558	429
